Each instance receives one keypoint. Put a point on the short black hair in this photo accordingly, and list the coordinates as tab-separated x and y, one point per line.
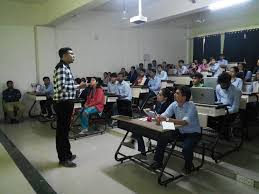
143	70
141	64
197	75
211	58
235	69
9	81
181	61
63	51
45	78
114	75
78	80
224	78
185	91
154	60
160	66
167	93
120	74
132	67
153	70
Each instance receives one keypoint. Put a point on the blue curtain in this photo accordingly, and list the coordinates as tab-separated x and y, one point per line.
212	46
198	48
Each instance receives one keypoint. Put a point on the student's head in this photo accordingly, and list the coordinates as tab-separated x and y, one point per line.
120	77
113	77
149	66
154	62
181	62
83	79
123	70
142	72
159	68
46	80
182	94
224	80
132	68
241	66
221	56
194	65
94	82
233	71
152	73
204	61
66	54
164	95
105	74
164	63
141	65
197	78
9	84
213	60
78	80
195	61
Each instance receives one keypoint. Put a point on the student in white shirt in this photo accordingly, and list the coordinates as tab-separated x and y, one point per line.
113	84
161	74
222	61
255	84
214	67
237	82
181	69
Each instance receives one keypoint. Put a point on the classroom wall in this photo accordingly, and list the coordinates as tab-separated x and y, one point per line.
17	54
103	43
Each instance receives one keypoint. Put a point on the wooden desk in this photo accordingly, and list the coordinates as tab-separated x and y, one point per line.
152	131
167	83
211	110
206	74
137	90
180	80
111	98
35	97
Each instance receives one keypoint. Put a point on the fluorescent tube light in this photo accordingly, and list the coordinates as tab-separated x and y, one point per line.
225	3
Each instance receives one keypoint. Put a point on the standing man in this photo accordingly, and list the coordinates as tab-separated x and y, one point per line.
64	93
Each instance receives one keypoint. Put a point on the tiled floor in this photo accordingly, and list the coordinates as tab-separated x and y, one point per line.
99	173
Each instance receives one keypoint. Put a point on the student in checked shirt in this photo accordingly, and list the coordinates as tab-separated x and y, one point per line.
64	93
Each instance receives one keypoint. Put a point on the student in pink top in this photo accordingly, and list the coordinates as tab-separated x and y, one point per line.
204	67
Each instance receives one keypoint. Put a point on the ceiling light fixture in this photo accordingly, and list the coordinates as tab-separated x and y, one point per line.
225	3
139	19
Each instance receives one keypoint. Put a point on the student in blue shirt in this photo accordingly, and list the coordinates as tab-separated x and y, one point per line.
237	82
154	85
214	67
243	73
227	93
46	105
161	74
124	90
189	132
113	84
222	61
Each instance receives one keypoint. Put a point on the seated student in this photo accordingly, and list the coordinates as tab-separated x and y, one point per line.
149	66
106	78
227	93
197	80
94	104
223	63
161	74
181	69
142	79
140	66
154	64
164	99
214	67
154	85
189	132
124	72
256	69
204	67
132	76
45	105
164	66
171	70
243	73
112	85
235	80
193	68
124	90
255	84
11	103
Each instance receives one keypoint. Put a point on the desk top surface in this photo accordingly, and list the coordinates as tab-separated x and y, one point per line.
216	106
35	94
150	125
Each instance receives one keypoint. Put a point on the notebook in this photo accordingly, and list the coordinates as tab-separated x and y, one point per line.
168	125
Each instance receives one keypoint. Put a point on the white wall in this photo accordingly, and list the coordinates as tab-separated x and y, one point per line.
101	43
17	54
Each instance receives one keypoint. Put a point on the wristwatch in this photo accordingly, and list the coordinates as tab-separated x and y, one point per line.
167	119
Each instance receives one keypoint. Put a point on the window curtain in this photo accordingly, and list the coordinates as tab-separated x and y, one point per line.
234	46
251	50
212	46
198	48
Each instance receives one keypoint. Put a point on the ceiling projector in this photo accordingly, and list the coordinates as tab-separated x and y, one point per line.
139	19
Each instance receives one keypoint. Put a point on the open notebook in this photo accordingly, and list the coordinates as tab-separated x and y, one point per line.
168	125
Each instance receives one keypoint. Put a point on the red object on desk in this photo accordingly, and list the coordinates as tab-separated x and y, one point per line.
149	119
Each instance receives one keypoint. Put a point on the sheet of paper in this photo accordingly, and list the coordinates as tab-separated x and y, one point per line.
168	125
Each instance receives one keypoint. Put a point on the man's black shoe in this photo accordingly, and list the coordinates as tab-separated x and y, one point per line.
156	165
67	164
72	157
